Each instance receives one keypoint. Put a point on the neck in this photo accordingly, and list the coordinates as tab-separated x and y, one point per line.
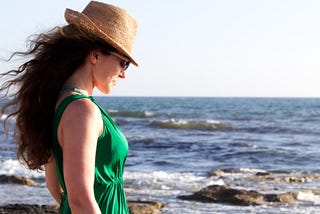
69	88
81	79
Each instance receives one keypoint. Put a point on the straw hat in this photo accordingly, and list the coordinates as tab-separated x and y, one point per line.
113	24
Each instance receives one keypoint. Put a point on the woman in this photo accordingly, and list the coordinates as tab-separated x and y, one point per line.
58	123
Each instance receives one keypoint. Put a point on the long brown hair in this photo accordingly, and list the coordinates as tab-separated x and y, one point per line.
51	59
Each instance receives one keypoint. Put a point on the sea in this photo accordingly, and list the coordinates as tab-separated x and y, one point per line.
175	143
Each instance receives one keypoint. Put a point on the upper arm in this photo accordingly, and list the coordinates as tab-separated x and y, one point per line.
79	129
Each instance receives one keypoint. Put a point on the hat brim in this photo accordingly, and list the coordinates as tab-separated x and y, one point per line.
74	17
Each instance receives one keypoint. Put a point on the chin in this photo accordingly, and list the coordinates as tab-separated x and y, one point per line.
105	91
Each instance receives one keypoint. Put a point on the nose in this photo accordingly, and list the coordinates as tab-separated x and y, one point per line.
122	74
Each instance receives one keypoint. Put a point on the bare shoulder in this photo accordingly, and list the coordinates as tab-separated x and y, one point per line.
81	117
83	107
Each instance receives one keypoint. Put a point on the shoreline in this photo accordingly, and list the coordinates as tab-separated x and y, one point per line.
135	207
257	189
139	206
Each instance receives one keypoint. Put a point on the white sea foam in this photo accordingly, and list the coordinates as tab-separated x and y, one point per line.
309	197
190	124
171	181
14	167
252	170
3	116
134	114
150	114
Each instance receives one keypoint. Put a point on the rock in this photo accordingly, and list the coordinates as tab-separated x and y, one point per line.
221	172
283	198
295	179
315	191
263	173
286	179
15	179
145	207
135	207
28	208
225	194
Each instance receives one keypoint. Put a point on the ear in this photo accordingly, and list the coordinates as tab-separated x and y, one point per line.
93	56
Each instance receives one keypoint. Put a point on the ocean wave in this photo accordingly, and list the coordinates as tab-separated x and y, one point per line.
138	114
14	167
309	197
161	180
210	125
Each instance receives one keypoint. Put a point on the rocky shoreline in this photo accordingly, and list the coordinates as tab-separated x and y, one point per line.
277	189
136	207
226	194
28	208
243	197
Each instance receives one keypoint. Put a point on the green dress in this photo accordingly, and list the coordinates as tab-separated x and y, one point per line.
111	154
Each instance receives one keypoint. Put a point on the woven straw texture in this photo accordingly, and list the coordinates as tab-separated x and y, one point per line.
113	24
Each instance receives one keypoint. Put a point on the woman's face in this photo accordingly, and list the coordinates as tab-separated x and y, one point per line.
107	70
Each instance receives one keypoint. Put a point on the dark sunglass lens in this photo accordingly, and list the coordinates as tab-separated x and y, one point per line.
125	64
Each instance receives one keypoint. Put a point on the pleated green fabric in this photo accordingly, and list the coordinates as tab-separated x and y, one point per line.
111	154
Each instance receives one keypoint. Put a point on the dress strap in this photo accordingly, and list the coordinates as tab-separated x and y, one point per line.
64	103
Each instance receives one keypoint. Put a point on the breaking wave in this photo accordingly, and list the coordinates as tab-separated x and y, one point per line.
210	125
138	114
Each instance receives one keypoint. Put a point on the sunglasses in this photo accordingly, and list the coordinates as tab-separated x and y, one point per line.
124	61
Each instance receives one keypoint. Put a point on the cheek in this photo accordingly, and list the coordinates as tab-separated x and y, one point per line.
106	78
106	72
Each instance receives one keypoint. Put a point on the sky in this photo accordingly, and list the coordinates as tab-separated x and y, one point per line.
216	48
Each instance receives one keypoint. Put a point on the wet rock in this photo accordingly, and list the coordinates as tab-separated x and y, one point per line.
315	191
263	173
28	208
135	207
221	172
286	179
145	207
225	194
295	179
283	198
15	179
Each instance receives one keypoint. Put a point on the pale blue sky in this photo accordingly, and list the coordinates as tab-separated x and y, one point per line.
199	48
